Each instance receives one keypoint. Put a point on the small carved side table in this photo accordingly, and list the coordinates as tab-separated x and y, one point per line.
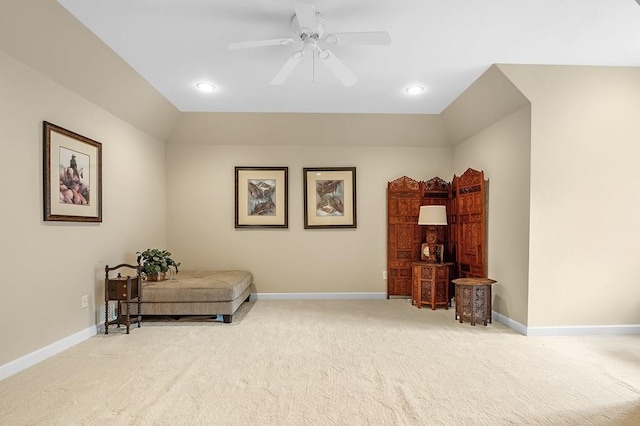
124	290
473	299
430	284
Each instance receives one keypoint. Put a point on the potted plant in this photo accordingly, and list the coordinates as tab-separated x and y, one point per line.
156	263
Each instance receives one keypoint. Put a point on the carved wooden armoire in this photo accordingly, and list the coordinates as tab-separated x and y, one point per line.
464	237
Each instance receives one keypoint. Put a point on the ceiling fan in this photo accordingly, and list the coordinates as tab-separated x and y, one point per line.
309	27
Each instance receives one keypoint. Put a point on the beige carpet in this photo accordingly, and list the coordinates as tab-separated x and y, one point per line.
373	362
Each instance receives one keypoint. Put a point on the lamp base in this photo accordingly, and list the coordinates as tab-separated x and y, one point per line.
432	253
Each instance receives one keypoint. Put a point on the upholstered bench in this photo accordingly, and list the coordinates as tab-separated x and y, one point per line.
198	293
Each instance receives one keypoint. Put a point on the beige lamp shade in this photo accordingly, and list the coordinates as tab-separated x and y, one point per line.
432	215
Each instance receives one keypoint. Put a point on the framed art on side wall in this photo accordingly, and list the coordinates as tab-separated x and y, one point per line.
329	197
72	176
261	197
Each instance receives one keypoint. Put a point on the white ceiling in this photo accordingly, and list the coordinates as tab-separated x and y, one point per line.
443	45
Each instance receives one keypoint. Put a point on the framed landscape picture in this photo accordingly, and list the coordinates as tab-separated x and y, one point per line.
329	197
72	175
261	198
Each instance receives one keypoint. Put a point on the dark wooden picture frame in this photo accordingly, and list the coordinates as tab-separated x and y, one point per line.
261	197
329	197
72	176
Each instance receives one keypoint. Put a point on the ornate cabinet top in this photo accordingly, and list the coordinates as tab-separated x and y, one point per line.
404	183
437	184
470	178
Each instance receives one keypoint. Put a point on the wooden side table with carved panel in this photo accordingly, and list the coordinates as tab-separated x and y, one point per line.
123	290
430	284
473	299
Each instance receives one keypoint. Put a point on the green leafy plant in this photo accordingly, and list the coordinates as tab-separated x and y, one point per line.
155	261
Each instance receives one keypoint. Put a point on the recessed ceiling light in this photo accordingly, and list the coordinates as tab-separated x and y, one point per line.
205	87
414	90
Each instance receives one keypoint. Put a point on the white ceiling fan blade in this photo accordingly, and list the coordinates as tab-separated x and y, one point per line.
306	14
260	43
287	68
371	37
336	66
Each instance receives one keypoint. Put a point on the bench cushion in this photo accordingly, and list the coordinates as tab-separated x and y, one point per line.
198	286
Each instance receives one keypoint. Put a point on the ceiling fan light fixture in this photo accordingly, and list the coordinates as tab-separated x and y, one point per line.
332	39
206	87
415	89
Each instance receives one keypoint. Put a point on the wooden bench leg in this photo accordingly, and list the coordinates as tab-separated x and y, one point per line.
227	319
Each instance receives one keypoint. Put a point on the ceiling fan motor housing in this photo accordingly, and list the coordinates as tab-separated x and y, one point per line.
315	33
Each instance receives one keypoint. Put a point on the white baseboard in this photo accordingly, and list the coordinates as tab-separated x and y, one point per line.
515	325
584	330
318	296
35	357
576	330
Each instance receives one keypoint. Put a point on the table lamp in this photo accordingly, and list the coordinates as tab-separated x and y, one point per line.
432	216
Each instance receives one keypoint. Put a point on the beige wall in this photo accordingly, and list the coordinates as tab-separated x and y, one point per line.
490	123
584	194
502	151
48	267
488	100
280	129
46	37
201	211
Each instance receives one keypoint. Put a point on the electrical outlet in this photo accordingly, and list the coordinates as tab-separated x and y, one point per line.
384	275
85	301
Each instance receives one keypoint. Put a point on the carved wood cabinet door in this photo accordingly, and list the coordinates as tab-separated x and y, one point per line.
404	235
471	230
